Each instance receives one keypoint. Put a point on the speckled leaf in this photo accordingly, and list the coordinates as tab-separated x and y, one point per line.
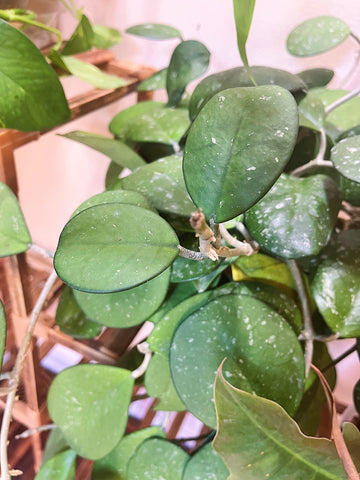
243	13
113	247
345	156
128	308
82	38
311	112
206	464
156	458
157	81
2	333
162	182
31	95
246	426
89	403
117	151
316	77
350	191
336	285
189	61
61	467
72	320
237	147
262	351
91	74
14	234
105	37
345	116
114	465
286	221
239	77
150	121
203	283
154	31
115	196
317	35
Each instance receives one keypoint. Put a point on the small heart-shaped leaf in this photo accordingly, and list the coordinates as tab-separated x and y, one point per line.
345	156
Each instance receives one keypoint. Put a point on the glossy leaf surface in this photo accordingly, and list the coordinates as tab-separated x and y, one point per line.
316	77
317	35
72	320
2	332
89	403
345	156
260	347
336	285
31	96
114	247
105	37
61	467
246	424
206	464
243	13
150	121
82	38
157	81
162	182
237	147
114	465
154	31
14	234
189	61
117	151
157	458
128	308
312	112
286	220
239	77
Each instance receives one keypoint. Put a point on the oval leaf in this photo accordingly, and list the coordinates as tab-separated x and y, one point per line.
261	350
30	102
206	464
157	458
237	147
316	77
128	308
286	221
89	403
246	426
113	247
105	37
61	467
317	35
155	31
14	234
345	156
189	61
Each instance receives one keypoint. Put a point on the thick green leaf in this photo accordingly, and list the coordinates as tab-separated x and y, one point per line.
105	37
72	320
317	35
162	183
262	351
115	196
203	283
14	234
55	443
286	221
114	465
350	191
345	116
336	285
206	464
316	77
2	333
352	440
59	467
239	77
189	61
89	403
82	38
31	96
351	132
345	156
150	121
311	112
117	151
237	147
257	439
243	13
156	458
155	31
92	74
157	81
113	247
128	308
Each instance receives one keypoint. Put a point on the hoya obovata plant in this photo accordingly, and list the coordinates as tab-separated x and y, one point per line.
226	235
